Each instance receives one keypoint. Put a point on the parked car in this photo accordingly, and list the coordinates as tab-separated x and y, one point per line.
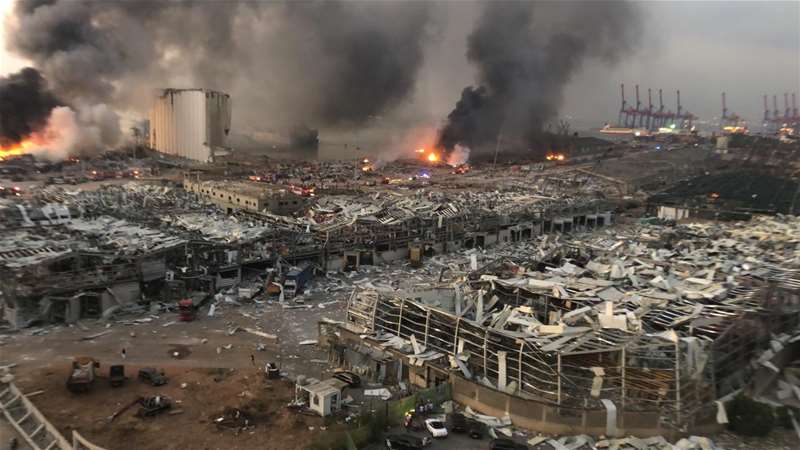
350	378
152	376
436	427
476	429
116	375
152	406
406	441
506	444
458	423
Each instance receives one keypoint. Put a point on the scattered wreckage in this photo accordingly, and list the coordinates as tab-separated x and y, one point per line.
658	323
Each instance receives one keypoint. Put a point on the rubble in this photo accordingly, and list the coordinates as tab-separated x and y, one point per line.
621	320
520	290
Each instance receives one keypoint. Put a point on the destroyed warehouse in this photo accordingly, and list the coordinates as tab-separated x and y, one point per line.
635	330
73	254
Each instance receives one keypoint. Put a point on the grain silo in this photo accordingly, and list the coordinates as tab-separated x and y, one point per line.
190	123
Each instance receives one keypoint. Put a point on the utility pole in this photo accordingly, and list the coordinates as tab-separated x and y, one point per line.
497	147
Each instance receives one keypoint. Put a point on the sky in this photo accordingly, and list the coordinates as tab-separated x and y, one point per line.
702	48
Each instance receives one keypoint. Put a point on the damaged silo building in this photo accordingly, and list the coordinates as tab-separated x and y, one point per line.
190	123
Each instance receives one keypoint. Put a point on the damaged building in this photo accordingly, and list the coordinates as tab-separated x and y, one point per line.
80	268
247	196
637	331
71	255
190	123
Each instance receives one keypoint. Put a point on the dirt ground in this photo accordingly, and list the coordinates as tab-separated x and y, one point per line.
216	368
191	422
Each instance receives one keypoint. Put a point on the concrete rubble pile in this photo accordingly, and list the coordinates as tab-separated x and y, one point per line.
629	443
165	238
135	201
218	228
644	319
121	236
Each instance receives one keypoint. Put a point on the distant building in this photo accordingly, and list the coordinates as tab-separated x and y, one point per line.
247	196
190	123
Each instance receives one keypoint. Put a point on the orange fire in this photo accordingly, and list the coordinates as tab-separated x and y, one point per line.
555	157
433	157
17	149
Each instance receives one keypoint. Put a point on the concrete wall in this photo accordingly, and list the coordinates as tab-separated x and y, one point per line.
548	419
673	213
225	198
121	294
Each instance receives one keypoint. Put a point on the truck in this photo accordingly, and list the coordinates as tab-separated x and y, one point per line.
82	375
116	375
186	310
296	279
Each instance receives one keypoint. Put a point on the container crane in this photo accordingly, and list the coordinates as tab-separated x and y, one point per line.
775	113
787	112
686	118
766	110
731	122
622	110
630	112
724	108
639	112
660	121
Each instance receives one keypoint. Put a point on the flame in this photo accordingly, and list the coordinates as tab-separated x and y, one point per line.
20	148
420	150
556	157
433	157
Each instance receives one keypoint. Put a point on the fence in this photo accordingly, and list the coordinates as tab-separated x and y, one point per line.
390	413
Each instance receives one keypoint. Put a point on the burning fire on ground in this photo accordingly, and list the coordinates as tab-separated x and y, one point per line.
556	157
26	146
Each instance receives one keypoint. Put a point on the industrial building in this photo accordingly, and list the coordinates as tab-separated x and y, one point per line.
600	336
190	123
247	196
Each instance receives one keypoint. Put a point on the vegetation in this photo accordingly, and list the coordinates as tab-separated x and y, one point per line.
749	417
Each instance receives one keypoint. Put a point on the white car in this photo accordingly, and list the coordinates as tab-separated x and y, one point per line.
436	427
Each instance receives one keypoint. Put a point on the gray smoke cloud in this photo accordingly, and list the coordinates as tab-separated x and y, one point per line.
526	53
326	64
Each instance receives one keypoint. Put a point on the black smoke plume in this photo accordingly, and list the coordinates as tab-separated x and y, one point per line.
526	53
331	63
25	105
303	138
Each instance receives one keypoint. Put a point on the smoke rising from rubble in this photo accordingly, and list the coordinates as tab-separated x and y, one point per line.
54	131
84	130
459	155
526	53
304	138
25	105
334	64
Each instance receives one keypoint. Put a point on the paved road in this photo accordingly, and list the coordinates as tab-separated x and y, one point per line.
451	442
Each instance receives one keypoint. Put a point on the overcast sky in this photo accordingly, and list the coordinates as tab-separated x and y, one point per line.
702	48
